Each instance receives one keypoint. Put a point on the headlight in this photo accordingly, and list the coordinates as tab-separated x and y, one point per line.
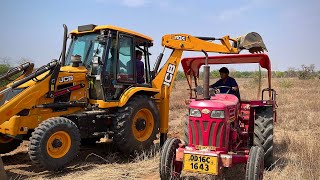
217	114
194	112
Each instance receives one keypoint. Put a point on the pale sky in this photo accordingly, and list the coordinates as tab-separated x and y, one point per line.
290	28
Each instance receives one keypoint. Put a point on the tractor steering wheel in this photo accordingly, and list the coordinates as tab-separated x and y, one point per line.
228	87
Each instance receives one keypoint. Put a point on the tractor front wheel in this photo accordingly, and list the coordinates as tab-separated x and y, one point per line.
169	167
186	131
255	164
136	125
8	144
54	143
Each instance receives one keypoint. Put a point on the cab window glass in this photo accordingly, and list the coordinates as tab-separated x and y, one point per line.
126	62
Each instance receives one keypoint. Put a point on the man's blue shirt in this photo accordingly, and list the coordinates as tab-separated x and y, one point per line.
231	82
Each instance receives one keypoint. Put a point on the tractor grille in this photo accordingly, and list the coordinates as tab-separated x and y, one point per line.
207	133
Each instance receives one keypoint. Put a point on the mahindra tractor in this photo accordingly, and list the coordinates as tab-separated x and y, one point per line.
92	92
222	130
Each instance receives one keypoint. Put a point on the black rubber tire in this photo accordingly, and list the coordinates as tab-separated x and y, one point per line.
39	138
10	146
122	125
186	131
3	175
255	164
167	154
263	136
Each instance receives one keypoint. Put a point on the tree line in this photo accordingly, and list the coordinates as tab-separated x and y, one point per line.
304	72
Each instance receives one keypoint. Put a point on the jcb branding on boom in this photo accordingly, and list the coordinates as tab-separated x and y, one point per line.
169	74
65	79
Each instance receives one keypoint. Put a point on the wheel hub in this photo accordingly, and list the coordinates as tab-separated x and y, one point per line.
141	124
56	143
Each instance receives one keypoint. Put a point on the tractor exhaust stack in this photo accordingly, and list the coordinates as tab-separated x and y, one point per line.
206	76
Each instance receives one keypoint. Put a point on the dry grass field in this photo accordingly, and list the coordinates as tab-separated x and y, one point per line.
297	144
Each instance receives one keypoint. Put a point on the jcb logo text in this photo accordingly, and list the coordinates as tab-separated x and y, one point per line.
65	79
169	74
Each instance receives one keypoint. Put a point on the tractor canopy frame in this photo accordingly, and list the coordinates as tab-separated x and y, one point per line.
191	65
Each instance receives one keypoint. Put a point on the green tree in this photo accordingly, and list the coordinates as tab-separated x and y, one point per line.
307	72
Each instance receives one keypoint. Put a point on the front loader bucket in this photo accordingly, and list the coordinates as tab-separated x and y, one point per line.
252	42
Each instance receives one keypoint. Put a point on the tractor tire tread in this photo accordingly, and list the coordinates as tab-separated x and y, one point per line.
186	131
167	153
123	137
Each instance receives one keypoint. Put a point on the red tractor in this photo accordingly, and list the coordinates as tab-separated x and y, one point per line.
221	130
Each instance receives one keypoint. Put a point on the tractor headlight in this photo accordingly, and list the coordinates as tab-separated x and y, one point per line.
194	112
217	114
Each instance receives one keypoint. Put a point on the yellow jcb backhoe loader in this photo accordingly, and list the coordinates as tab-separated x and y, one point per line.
92	92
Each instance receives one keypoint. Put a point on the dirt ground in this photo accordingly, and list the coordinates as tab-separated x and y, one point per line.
297	154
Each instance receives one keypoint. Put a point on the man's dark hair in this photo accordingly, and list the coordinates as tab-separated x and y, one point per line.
138	53
224	70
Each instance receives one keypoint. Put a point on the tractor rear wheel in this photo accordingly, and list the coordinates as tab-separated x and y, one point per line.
8	144
255	165
186	131
263	136
54	143
136	125
170	168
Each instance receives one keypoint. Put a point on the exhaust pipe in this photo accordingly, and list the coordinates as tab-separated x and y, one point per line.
206	74
64	46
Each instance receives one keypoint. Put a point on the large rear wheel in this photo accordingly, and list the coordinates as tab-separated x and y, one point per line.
136	125
169	167
8	144
54	143
263	135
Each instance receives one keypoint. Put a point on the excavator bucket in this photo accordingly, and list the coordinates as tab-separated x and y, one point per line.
252	42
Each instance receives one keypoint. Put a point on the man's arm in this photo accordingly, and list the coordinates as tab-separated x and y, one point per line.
216	84
235	86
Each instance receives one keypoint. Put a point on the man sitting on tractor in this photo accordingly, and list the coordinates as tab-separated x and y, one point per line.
226	84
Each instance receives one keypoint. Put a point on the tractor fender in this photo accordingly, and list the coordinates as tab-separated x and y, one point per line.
126	96
136	90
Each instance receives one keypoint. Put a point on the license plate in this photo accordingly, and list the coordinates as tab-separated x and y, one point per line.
200	163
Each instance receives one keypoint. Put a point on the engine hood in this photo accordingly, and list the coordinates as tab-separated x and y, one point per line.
219	101
66	69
